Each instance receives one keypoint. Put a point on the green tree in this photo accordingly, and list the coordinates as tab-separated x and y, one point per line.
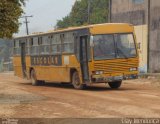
79	13
10	12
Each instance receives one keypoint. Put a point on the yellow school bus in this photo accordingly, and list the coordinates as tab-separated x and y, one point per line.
101	53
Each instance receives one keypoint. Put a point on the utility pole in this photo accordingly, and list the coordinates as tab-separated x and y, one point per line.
148	44
26	22
109	10
89	8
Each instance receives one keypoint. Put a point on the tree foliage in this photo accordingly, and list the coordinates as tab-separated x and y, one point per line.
10	11
79	13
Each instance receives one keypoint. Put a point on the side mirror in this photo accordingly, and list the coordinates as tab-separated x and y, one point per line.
91	41
139	46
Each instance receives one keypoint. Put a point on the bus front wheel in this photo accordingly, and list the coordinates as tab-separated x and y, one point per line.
34	80
115	85
76	81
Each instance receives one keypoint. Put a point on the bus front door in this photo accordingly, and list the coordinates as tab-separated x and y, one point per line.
84	58
23	59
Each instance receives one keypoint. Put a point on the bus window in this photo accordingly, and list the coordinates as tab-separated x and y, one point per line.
45	46
104	47
17	47
125	45
28	46
68	46
17	43
56	44
35	46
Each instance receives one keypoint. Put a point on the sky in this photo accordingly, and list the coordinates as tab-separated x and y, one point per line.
45	14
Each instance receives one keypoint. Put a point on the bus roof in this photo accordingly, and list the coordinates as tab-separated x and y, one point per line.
77	28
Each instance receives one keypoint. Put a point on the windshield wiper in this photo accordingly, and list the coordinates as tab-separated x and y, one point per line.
126	57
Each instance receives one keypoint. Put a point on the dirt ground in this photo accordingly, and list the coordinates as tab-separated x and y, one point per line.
19	99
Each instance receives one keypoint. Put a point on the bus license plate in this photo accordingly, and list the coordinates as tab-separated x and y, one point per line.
118	78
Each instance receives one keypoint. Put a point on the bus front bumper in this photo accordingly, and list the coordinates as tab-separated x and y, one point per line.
100	78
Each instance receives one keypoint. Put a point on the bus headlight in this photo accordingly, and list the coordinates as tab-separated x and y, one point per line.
133	69
99	72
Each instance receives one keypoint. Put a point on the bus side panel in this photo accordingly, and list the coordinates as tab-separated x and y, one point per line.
52	73
28	66
42	72
28	61
70	62
17	66
62	73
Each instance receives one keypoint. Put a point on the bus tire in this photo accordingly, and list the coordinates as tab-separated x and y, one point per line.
76	81
115	85
34	80
41	83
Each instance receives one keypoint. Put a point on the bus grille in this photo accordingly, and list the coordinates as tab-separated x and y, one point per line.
115	66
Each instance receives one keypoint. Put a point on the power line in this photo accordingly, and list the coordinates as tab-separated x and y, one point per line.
26	22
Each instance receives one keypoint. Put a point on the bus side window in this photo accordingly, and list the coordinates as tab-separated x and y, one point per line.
35	46
40	40
16	47
14	43
68	42
28	46
31	40
45	45
56	44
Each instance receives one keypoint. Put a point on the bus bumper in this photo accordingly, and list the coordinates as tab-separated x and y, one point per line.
102	79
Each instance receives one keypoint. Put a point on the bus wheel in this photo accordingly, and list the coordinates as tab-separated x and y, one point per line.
41	83
76	81
115	85
34	80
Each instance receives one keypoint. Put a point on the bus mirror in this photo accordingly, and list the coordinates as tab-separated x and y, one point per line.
139	45
91	41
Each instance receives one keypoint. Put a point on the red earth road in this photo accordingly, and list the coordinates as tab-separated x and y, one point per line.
19	99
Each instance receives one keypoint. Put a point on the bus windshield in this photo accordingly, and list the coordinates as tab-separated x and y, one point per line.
112	46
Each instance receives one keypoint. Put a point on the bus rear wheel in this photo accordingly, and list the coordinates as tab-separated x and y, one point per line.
76	81
115	85
34	80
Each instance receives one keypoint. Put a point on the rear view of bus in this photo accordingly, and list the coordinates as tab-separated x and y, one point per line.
114	52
